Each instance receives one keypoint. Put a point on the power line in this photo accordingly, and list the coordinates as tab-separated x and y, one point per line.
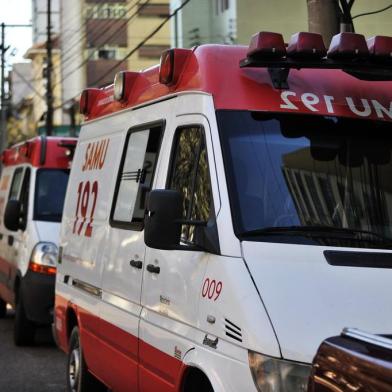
373	12
135	48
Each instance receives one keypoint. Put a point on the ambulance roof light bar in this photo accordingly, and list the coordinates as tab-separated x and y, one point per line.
349	52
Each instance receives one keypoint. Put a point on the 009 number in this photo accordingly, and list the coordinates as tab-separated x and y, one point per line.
211	289
87	200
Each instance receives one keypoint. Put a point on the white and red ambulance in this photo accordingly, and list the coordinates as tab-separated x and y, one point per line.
226	212
32	189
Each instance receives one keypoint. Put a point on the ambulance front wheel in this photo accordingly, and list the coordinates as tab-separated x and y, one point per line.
24	329
78	377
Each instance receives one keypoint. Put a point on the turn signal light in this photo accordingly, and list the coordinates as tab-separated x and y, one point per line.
306	45
348	46
267	44
87	99
42	269
380	47
172	64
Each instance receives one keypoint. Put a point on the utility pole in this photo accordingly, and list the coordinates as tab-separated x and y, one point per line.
346	21
3	120
324	18
49	66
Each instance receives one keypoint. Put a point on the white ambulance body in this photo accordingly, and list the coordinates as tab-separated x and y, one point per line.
218	227
32	190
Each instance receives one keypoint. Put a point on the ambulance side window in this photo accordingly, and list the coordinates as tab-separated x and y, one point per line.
135	177
24	198
15	185
190	176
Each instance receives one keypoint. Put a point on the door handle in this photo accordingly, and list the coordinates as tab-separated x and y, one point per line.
136	263
153	269
10	240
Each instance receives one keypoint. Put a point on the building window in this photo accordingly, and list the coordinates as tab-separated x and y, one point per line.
106	11
136	177
221	6
154	10
107	54
190	176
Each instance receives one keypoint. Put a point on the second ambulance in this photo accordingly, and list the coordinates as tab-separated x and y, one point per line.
226	212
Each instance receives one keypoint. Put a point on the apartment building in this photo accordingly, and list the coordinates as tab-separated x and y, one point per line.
98	36
235	21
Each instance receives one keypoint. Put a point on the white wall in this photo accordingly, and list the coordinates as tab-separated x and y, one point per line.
72	41
20	89
201	22
39	19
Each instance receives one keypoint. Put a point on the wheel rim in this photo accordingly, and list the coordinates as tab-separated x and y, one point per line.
74	369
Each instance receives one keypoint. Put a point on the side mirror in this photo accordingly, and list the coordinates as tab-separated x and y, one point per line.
162	229
12	215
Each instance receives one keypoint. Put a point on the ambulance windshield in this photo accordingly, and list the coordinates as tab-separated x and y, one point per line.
50	187
308	179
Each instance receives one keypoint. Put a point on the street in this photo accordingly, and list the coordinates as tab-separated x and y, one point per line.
39	368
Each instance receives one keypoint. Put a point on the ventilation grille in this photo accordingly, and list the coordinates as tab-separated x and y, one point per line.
233	331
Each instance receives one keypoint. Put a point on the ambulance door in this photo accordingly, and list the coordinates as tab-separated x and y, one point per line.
124	257
17	240
173	278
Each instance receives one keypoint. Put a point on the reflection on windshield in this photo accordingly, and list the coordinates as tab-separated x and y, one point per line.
295	170
50	187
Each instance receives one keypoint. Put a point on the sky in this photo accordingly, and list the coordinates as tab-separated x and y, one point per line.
19	38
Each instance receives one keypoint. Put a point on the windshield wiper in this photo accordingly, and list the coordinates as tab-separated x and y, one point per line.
319	231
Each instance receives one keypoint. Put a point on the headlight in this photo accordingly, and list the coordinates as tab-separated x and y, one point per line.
277	375
44	258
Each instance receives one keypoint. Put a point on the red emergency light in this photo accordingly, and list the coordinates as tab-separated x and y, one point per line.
124	82
306	45
380	47
267	44
87	99
172	64
25	149
348	46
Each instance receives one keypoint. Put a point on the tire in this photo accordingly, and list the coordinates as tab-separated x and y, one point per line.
24	329
79	379
3	308
197	381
